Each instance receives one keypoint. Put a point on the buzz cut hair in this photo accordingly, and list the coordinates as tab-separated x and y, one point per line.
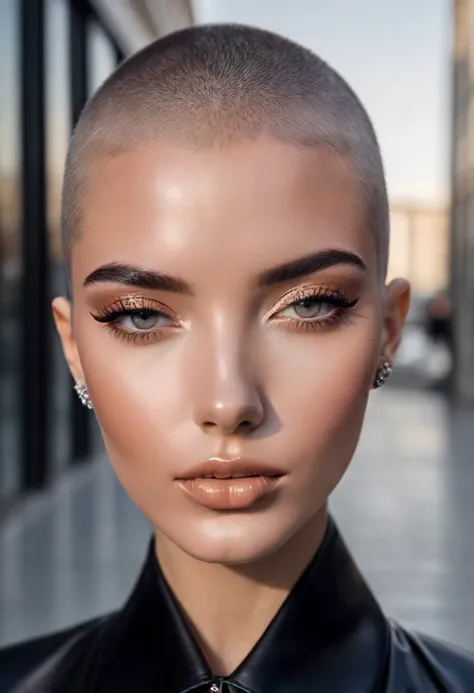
212	85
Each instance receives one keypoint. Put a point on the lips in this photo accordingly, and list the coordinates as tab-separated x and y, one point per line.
217	468
229	484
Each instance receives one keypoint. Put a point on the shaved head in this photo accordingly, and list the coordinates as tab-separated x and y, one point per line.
209	86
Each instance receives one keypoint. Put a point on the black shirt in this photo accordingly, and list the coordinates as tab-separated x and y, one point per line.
329	636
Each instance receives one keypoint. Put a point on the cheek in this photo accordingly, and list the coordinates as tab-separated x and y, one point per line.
321	396
136	394
325	374
135	402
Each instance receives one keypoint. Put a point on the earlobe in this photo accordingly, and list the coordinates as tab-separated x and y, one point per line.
62	314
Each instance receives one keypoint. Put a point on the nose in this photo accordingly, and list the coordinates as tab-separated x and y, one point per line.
227	400
230	417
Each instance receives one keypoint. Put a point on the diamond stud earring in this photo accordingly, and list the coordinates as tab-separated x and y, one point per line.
83	394
383	373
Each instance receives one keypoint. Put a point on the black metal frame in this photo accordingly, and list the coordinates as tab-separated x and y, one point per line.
36	352
79	85
35	380
87	11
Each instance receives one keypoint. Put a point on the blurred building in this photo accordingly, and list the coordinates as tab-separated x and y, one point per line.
419	246
54	54
462	221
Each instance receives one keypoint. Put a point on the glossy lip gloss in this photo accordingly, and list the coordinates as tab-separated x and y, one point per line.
234	484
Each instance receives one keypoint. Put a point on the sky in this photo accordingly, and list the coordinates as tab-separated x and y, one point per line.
395	54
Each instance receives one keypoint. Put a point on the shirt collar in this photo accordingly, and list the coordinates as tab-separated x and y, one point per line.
328	634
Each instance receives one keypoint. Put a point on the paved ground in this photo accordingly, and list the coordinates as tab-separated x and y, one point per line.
406	509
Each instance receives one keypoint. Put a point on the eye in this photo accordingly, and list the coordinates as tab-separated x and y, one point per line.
143	320
308	308
312	308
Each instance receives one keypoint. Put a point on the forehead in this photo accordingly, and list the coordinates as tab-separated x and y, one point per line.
243	207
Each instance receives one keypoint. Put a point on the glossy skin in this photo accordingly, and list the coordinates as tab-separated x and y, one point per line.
232	370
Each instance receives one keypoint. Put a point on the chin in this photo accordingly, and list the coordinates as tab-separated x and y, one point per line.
234	538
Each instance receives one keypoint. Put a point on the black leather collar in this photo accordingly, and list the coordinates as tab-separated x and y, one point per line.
329	635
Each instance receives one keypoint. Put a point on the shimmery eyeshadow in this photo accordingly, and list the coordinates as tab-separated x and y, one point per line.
131	302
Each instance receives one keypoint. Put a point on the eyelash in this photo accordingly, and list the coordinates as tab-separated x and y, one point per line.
337	299
110	316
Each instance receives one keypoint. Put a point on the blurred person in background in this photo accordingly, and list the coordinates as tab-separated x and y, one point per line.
439	319
439	330
225	224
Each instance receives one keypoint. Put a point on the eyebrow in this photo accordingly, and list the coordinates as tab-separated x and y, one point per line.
129	275
308	264
137	277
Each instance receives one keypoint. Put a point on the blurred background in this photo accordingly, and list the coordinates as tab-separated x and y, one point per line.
70	541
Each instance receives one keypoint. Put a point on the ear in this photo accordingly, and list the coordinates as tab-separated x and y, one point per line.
397	303
62	314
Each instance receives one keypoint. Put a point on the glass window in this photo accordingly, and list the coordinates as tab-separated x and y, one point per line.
10	250
101	57
58	113
101	62
58	128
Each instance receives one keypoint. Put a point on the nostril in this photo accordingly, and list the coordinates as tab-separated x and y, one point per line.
245	426
209	425
241	428
230	418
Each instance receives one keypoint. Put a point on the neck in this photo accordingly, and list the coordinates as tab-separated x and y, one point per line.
229	607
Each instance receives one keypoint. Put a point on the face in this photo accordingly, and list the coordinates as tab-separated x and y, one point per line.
227	307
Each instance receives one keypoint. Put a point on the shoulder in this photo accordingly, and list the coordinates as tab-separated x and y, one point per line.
18	661
422	659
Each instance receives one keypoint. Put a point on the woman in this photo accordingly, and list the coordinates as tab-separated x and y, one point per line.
225	224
